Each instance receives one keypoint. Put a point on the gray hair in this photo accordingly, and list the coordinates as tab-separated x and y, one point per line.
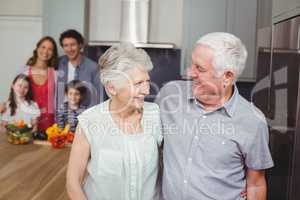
120	58
230	53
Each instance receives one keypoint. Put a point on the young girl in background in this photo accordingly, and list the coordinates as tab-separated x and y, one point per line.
40	68
20	105
67	114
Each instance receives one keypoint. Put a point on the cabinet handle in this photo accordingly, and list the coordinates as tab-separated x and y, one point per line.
286	51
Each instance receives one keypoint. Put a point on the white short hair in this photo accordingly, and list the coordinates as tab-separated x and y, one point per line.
230	53
120	58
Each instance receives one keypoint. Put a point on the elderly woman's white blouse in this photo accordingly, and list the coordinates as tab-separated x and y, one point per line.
122	166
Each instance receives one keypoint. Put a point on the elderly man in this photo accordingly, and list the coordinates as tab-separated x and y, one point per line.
215	141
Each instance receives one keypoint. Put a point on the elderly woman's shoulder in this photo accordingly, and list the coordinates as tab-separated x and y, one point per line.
151	107
94	110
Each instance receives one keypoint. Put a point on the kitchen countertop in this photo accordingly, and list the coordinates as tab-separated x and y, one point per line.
32	171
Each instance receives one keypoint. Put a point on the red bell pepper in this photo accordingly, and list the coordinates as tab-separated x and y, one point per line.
58	142
70	137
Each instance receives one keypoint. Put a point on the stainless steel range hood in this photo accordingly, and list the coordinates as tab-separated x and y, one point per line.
134	21
134	24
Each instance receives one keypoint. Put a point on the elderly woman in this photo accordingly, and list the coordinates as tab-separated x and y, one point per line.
115	151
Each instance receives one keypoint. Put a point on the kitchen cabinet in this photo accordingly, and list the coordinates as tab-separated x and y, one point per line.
277	93
264	24
234	16
280	7
30	8
20	28
283	10
166	22
104	20
261	91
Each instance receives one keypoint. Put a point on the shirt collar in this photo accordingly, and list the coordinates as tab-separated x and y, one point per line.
66	60
190	91
79	109
229	106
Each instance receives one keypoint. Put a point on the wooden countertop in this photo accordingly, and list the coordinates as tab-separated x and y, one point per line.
32	171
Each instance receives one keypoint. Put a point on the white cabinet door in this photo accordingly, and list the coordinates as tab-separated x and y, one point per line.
293	4
21	8
166	21
20	29
241	21
283	10
280	6
200	17
18	38
104	20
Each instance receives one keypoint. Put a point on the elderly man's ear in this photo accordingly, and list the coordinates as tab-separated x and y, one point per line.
228	78
111	89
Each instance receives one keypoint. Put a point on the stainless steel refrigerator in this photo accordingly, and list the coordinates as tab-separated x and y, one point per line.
277	94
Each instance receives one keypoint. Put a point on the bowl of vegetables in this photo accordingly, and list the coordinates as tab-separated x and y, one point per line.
19	132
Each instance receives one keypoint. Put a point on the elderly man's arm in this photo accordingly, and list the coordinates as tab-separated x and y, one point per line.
79	157
256	185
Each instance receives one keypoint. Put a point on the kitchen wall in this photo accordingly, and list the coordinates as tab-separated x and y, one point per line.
20	28
60	15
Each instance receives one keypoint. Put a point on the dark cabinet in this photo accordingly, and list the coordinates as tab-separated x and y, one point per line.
278	98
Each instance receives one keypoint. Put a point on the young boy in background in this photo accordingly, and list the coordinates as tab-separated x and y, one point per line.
68	112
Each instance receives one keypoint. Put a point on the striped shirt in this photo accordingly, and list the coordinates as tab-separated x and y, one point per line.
65	116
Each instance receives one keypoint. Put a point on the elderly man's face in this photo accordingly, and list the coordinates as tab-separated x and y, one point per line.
133	91
207	85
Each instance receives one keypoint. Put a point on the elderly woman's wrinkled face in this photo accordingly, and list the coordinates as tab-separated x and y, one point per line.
133	91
